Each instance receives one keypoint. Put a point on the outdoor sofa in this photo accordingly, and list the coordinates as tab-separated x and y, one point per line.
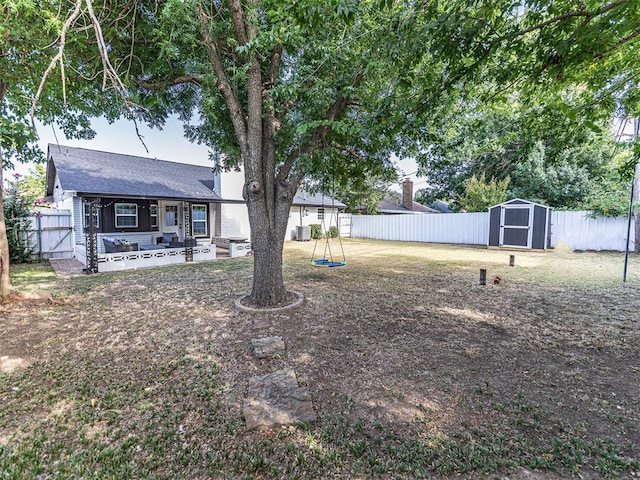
113	245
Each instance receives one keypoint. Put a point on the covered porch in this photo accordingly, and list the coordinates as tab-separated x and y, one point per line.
123	234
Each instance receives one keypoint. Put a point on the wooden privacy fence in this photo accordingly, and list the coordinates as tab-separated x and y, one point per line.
576	229
51	234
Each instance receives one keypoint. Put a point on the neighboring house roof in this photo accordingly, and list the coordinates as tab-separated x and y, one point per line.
306	199
441	206
392	205
95	173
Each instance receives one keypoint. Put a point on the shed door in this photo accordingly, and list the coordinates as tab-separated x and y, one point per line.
515	226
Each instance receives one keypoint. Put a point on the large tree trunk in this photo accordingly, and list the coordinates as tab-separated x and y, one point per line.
5	283
268	204
268	284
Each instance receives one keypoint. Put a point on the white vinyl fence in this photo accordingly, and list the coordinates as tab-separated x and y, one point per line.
580	232
575	229
465	228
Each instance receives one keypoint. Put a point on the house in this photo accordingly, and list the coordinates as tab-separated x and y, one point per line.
312	208
140	206
403	204
441	206
130	211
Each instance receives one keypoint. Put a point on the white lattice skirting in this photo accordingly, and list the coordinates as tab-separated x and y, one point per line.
111	262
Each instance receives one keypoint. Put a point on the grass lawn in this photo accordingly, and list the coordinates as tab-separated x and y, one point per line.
416	371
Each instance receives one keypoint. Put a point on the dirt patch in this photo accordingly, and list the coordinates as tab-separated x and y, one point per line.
414	369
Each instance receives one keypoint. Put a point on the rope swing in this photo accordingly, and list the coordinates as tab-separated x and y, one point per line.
327	259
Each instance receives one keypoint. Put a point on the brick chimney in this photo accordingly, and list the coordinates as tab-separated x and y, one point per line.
407	194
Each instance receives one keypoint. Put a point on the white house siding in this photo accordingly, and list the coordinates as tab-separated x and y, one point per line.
77	217
297	217
234	221
234	218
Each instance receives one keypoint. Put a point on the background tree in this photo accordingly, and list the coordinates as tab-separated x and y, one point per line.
33	185
481	194
549	74
562	170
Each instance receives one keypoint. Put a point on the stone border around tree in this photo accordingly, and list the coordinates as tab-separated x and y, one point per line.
298	301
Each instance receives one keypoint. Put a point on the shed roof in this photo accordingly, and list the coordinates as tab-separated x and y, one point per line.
92	172
519	201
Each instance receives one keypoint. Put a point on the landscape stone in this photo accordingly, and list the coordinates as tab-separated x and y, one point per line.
276	400
262	322
268	347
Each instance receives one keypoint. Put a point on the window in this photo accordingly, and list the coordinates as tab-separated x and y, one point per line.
320	213
171	215
199	220
153	214
87	214
126	215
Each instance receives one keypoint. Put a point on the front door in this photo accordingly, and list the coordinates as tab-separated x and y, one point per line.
172	218
515	226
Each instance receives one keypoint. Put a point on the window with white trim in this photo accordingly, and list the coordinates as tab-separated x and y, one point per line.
171	215
199	220
126	215
320	213
153	214
87	216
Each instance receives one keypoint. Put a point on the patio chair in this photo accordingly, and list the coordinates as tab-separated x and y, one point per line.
112	245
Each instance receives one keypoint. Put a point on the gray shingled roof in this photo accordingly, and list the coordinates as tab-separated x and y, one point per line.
98	173
393	204
316	200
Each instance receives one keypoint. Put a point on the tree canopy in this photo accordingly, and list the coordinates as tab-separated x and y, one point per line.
292	90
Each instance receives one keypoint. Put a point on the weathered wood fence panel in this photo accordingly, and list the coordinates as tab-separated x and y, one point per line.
51	234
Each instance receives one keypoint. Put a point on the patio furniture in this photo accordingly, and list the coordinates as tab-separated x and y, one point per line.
237	246
112	245
167	238
151	247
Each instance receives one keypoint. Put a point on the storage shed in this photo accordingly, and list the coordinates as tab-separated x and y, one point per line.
520	224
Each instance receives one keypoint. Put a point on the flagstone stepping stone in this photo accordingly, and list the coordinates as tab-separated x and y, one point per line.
268	347
260	323
276	400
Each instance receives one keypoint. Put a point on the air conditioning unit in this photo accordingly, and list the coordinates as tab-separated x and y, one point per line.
303	233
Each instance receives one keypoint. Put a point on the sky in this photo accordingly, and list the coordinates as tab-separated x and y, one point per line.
166	144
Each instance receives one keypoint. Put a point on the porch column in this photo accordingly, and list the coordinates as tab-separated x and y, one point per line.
187	221
91	235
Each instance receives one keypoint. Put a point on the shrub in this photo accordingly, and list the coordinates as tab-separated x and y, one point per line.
332	232
316	231
18	222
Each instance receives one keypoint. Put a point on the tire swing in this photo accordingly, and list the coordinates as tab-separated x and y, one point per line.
327	259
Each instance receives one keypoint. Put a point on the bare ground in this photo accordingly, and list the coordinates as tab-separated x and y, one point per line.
415	369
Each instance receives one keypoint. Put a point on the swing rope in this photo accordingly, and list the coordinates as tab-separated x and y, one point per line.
328	261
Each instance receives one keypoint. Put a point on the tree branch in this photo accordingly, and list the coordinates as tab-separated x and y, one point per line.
194	79
238	22
618	44
109	71
337	108
348	150
576	13
274	66
224	85
57	58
